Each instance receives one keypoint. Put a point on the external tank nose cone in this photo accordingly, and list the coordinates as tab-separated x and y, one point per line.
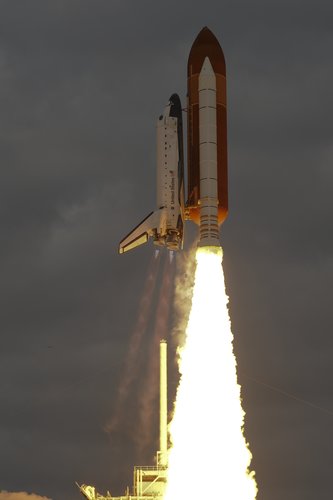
206	36
206	45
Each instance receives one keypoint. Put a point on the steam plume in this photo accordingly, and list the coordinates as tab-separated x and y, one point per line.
20	495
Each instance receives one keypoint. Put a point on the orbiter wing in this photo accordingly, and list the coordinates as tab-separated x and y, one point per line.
152	226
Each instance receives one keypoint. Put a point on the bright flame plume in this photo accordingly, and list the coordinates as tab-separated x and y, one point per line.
209	456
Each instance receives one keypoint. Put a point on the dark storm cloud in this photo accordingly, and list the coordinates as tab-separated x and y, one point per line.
81	85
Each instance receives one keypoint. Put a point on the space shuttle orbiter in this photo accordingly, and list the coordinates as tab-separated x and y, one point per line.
165	224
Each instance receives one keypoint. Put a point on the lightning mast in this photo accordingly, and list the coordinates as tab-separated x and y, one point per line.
162	455
149	481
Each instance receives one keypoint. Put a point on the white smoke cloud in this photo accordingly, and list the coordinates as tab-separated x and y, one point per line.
20	495
184	283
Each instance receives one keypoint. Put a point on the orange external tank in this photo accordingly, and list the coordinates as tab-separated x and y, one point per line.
206	46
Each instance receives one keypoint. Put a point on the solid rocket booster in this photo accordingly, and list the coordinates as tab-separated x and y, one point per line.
207	203
209	229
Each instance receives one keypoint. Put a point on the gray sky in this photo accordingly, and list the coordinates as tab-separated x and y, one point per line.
81	86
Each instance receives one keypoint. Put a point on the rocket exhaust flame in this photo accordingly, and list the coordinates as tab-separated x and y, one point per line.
206	432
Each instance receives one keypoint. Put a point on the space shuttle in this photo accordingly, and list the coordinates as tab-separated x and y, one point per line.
207	177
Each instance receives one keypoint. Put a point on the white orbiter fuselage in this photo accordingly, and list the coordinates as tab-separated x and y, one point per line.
165	224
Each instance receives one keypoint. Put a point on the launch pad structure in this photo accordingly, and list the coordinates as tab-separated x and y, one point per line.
149	481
